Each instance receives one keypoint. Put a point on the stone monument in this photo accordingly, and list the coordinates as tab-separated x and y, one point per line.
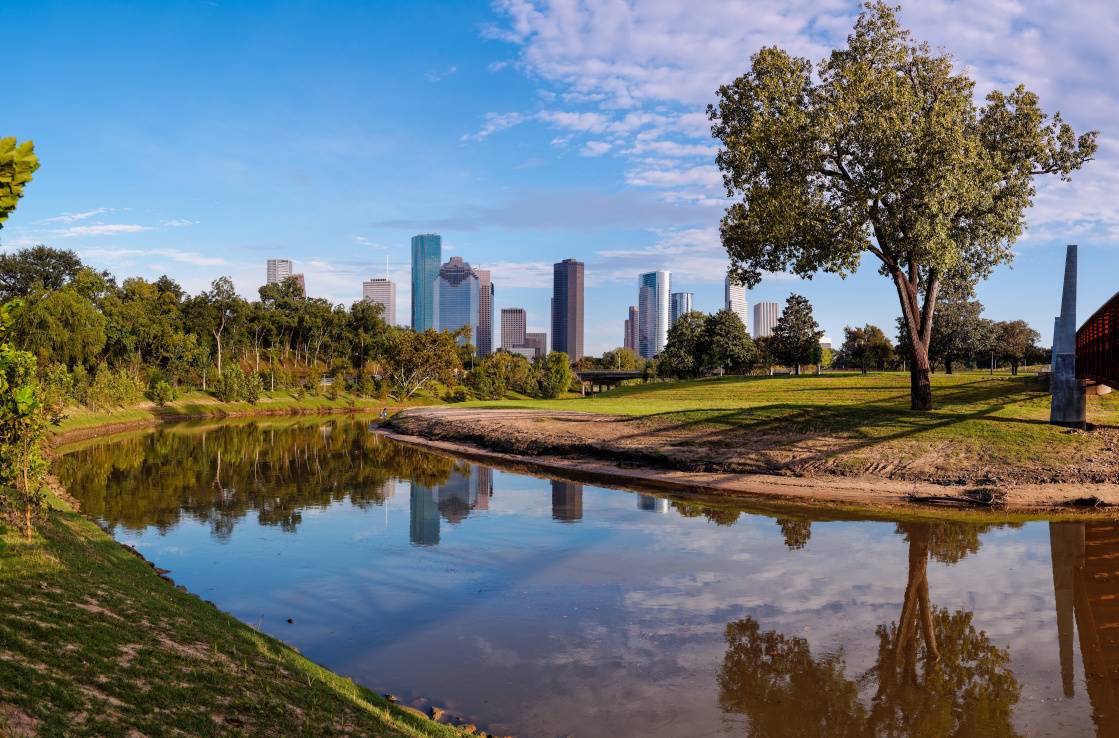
1067	406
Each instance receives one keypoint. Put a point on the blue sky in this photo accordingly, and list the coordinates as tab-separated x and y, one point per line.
201	138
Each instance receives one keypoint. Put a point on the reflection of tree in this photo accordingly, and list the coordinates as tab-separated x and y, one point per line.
717	515
935	674
219	475
796	532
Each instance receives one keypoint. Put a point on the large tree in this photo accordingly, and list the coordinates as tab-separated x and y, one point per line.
1014	341
885	152
959	330
866	347
17	163
681	356
39	267
726	346
796	337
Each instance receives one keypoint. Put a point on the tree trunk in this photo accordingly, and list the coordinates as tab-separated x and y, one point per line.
920	386
947	366
217	340
864	369
798	370
1014	368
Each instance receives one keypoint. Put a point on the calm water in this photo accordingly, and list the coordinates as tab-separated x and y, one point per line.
548	608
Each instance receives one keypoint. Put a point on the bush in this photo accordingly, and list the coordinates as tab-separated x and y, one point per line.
162	393
114	388
457	394
57	387
236	386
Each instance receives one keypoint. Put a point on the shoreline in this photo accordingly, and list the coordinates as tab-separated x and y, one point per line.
871	493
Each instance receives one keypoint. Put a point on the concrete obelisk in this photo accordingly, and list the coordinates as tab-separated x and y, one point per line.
1067	406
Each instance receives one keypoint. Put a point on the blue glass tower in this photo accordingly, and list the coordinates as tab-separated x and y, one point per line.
427	255
456	297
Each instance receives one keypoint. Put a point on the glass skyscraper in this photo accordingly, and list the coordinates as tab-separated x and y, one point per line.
427	255
456	296
652	313
681	304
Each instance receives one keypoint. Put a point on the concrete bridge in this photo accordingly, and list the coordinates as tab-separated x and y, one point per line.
1081	358
598	379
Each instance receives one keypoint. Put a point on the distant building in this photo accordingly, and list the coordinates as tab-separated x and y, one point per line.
278	270
631	342
299	280
427	254
423	517
567	501
825	342
651	503
567	308
456	298
514	322
652	312
681	302
529	352
484	341
734	299
538	342
765	318
381	291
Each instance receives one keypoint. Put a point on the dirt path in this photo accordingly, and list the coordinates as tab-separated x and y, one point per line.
646	453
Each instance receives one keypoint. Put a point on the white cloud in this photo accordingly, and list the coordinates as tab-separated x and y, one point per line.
184	257
177	223
494	122
439	76
101	229
74	217
595	148
675	177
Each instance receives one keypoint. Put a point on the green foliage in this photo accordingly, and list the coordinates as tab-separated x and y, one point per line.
881	151
17	163
1014	341
683	351
500	373
619	360
416	360
57	386
234	385
555	374
114	388
796	337
726	346
36	268
456	394
865	348
162	392
60	326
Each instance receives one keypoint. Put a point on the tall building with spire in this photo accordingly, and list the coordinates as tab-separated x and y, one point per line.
427	254
567	308
381	291
734	299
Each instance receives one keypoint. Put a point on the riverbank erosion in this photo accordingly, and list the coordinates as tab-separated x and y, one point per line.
876	455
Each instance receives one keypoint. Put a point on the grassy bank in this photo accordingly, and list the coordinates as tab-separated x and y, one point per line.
93	642
851	423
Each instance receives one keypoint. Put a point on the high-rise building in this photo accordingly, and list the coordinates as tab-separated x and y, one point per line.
681	302
567	501
423	516
538	342
652	312
567	308
734	299
631	340
484	340
278	270
299	280
652	503
765	318
514	322
456	298
427	255
381	291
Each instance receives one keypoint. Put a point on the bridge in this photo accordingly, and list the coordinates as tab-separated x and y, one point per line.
1097	346
604	378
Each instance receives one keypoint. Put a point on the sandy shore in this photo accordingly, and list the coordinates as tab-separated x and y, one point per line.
578	445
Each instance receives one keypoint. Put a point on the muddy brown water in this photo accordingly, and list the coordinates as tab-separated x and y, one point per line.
543	607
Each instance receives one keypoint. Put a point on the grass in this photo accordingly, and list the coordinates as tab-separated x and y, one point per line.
94	643
1000	418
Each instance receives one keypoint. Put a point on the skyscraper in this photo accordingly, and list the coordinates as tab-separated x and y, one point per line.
567	501
539	342
567	308
456	298
513	325
734	299
652	312
765	318
427	254
423	516
381	291
278	270
484	340
681	303
632	342
299	280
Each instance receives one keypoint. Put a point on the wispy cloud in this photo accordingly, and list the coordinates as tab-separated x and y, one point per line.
101	229
74	217
184	257
494	122
177	223
440	75
595	148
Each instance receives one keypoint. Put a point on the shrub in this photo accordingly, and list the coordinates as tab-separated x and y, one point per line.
114	388
57	387
457	394
236	386
162	393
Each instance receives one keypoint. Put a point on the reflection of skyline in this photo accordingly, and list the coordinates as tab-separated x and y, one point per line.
454	500
567	501
650	503
1086	589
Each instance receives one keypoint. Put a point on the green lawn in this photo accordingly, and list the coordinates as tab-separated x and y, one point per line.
94	643
999	417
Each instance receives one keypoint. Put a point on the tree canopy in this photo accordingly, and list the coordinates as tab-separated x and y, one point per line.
865	348
882	152
17	163
796	337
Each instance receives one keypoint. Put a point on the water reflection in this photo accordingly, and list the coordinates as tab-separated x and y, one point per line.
582	614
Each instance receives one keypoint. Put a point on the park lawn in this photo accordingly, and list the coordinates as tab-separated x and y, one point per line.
94	643
977	416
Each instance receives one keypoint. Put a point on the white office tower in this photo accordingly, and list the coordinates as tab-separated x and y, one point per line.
381	291
514	323
735	300
765	318
278	270
652	312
